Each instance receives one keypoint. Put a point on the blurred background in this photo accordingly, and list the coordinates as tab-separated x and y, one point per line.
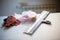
9	7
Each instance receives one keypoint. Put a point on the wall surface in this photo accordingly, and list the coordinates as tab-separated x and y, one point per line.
8	7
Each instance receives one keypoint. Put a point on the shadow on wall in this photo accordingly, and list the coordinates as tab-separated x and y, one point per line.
58	6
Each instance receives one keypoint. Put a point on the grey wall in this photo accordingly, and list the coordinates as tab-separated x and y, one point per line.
8	7
0	6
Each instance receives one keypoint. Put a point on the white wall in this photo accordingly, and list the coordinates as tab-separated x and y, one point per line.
8	7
